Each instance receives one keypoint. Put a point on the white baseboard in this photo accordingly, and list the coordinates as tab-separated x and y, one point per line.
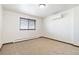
23	39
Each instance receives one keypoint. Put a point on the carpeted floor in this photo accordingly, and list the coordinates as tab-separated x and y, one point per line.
40	46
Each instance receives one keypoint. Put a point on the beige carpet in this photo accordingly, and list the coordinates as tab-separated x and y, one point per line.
41	46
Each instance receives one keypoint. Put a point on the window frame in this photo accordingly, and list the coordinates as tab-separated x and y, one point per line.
34	21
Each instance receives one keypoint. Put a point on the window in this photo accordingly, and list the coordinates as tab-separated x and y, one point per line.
27	24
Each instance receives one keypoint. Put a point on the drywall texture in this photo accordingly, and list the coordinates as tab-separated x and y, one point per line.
11	32
64	29
76	26
60	28
0	25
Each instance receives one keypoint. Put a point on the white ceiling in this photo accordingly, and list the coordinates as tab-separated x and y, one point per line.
35	10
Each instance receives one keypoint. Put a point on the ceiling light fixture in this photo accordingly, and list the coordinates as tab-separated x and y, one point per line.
42	5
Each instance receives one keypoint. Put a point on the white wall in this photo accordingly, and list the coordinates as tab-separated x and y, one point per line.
11	30
60	29
76	25
0	26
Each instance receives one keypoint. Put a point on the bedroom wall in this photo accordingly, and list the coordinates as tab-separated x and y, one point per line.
0	26
60	29
76	26
11	32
